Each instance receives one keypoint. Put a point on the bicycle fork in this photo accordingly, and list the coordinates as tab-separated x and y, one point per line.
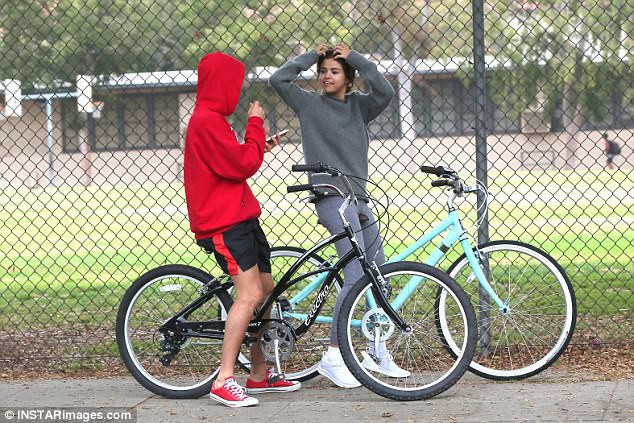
379	284
380	291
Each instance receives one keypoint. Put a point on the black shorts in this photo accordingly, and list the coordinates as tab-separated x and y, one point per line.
240	248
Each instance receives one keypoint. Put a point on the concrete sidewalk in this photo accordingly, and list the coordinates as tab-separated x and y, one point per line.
550	398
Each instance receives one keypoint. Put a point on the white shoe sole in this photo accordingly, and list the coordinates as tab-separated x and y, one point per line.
235	404
334	380
372	366
265	390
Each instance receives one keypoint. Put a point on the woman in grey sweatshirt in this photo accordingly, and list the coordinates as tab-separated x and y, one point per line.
334	131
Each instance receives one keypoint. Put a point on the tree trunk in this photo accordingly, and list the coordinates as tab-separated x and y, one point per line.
572	120
85	161
405	105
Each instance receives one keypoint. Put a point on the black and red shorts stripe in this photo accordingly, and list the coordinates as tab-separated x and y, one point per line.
240	248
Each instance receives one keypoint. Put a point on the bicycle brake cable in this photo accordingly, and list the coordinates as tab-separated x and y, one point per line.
479	208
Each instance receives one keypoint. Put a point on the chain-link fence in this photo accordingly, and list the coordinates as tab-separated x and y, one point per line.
97	96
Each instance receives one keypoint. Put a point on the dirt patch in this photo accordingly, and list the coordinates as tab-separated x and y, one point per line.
578	363
599	362
79	351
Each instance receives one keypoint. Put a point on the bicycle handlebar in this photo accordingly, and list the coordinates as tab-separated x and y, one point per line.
440	183
298	188
438	170
312	167
448	177
317	167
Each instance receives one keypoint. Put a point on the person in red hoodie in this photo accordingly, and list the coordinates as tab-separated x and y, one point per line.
223	214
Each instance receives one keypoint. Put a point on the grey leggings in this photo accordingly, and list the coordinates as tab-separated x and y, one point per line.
367	233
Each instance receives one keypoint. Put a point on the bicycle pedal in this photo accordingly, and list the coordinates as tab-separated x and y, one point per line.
284	304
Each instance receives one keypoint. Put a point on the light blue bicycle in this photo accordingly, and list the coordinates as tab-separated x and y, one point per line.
524	302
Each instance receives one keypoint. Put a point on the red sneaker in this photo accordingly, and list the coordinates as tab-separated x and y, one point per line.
272	383
231	394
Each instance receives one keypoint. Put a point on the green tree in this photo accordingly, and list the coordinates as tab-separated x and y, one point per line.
264	33
400	32
47	42
25	46
579	53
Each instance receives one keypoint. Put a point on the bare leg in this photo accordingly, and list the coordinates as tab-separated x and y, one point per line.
249	294
258	362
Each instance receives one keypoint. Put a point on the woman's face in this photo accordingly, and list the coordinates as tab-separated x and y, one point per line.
332	78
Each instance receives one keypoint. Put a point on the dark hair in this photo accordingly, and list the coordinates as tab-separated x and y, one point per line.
348	70
605	135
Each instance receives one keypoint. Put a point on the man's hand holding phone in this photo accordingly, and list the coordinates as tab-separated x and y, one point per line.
273	140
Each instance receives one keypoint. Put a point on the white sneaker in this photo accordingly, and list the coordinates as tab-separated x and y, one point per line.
385	365
382	362
333	367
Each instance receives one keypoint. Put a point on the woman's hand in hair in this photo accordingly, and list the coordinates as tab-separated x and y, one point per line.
341	51
322	48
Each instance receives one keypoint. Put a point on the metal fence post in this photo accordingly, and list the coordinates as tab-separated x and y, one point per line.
481	134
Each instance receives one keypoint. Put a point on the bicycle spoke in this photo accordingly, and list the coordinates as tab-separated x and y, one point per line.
530	335
188	364
421	353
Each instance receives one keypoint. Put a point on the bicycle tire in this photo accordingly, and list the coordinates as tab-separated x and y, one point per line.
153	298
420	352
542	317
302	364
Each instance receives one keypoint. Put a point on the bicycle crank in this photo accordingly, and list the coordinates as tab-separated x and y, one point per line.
277	341
376	325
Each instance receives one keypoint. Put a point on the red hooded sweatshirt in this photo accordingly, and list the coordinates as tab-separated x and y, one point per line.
216	165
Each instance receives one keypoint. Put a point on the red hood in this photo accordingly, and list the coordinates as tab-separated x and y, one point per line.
219	83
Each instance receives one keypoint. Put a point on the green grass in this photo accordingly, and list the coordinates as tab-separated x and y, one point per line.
69	253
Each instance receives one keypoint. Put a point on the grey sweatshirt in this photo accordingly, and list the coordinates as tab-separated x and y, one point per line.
334	132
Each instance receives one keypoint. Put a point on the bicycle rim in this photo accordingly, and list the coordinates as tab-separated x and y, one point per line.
539	324
432	368
160	297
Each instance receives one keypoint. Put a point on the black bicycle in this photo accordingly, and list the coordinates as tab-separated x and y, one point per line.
170	324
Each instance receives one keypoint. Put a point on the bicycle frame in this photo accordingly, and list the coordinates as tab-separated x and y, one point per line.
325	281
456	234
214	329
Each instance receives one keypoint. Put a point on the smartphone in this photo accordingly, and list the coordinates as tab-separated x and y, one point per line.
281	133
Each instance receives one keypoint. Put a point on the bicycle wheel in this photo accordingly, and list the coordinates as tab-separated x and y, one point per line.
421	352
152	299
302	364
541	315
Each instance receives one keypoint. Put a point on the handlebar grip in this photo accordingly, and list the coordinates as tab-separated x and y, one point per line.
313	167
298	188
438	170
440	183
